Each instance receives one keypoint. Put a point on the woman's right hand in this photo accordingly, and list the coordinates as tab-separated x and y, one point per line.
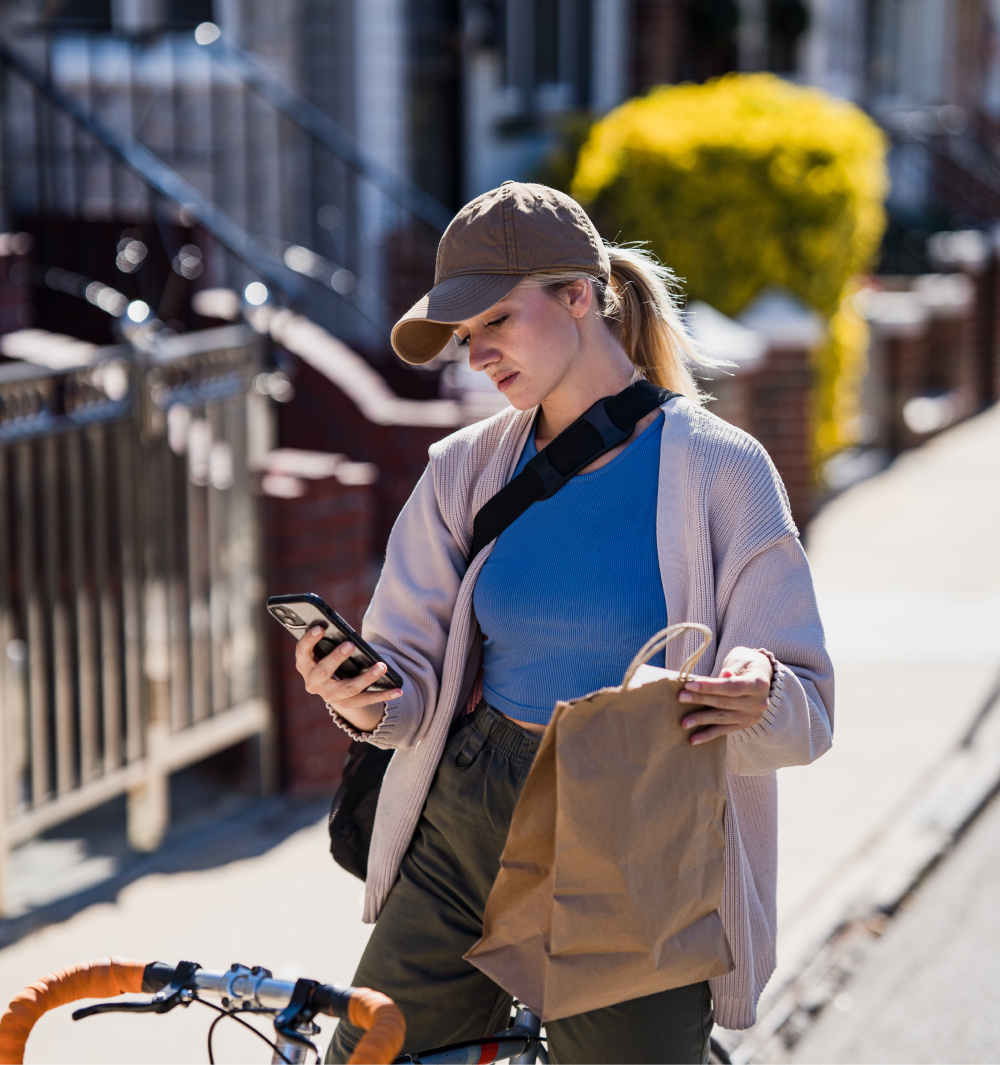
363	709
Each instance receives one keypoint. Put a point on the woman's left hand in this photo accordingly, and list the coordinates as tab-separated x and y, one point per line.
737	698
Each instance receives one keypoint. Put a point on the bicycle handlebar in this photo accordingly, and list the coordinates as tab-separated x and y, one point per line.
385	1027
96	979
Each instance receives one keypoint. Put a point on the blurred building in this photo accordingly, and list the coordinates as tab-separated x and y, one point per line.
341	134
929	72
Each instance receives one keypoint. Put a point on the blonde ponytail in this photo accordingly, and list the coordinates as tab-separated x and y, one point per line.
640	309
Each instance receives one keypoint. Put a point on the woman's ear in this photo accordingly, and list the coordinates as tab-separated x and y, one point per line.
578	295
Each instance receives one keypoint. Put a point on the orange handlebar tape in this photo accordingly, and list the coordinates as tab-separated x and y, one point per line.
385	1023
96	979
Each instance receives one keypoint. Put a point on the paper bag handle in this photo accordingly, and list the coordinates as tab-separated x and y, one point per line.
661	639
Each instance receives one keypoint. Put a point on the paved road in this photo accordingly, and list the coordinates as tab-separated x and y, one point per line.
929	990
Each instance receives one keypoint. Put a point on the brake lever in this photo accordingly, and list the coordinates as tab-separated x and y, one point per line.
121	1007
299	1011
179	992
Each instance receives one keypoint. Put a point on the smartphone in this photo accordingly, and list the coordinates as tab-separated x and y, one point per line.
299	613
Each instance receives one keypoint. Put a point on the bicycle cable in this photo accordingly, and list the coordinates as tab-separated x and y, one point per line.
224	1013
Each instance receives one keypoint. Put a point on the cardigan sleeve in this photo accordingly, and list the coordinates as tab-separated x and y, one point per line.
410	614
773	606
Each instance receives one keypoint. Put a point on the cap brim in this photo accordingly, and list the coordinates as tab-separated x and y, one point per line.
425	329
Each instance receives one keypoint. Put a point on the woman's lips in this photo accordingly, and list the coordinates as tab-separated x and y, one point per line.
505	382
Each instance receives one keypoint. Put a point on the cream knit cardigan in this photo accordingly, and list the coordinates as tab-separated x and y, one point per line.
729	558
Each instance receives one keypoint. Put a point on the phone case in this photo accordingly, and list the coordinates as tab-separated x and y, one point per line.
298	613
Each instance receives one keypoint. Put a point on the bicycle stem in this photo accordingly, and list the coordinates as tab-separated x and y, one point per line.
294	1050
532	1023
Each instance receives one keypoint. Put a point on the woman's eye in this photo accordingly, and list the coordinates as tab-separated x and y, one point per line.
497	321
463	342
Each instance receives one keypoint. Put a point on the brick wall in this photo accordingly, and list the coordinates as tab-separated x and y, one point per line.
771	401
322	418
16	311
930	338
658	34
780	418
905	368
987	347
320	541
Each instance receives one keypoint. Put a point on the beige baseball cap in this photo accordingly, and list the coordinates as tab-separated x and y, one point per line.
493	243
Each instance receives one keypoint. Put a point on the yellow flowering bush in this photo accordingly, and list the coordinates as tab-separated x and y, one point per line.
748	182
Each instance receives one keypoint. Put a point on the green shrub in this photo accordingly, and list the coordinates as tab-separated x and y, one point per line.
744	183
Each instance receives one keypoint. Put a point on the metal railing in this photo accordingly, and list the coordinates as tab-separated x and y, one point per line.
286	193
130	577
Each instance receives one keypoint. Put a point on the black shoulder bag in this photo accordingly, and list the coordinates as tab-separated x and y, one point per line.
605	425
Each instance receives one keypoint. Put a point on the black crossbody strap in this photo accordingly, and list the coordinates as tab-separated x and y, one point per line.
608	423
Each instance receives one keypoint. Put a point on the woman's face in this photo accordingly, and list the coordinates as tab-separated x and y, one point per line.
528	342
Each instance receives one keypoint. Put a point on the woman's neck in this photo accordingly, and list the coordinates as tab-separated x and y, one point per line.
600	369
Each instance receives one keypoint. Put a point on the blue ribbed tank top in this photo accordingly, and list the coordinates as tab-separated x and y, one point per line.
572	588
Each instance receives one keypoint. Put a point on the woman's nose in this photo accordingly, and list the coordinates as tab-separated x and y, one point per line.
482	355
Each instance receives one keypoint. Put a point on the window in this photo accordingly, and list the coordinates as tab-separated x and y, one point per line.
546	42
435	97
548	46
78	14
186	14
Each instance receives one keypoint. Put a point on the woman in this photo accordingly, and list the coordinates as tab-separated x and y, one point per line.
686	520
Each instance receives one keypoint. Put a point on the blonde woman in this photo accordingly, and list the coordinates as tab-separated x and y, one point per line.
687	520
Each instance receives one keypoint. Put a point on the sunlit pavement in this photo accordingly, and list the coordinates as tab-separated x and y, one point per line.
907	570
289	908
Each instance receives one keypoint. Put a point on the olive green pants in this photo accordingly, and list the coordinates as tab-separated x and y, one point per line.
434	914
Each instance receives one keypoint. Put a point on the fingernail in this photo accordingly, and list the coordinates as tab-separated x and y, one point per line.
316	630
395	694
379	667
689	722
695	740
692	686
347	647
685	697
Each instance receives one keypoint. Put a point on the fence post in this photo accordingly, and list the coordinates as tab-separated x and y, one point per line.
7	711
148	807
149	801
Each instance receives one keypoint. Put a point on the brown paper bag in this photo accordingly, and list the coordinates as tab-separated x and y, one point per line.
612	874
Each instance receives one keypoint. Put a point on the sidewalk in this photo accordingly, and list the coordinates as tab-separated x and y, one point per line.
908	572
285	906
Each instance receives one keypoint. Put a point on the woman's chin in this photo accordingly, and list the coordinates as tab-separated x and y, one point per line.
521	396
521	402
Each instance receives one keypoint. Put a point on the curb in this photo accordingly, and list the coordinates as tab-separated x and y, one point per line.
855	905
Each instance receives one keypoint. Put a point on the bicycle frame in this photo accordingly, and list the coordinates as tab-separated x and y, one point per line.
522	1045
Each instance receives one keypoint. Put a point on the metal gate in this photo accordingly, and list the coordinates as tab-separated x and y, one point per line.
130	577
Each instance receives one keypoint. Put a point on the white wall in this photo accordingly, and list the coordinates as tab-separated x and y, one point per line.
380	28
490	156
991	90
609	75
833	50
